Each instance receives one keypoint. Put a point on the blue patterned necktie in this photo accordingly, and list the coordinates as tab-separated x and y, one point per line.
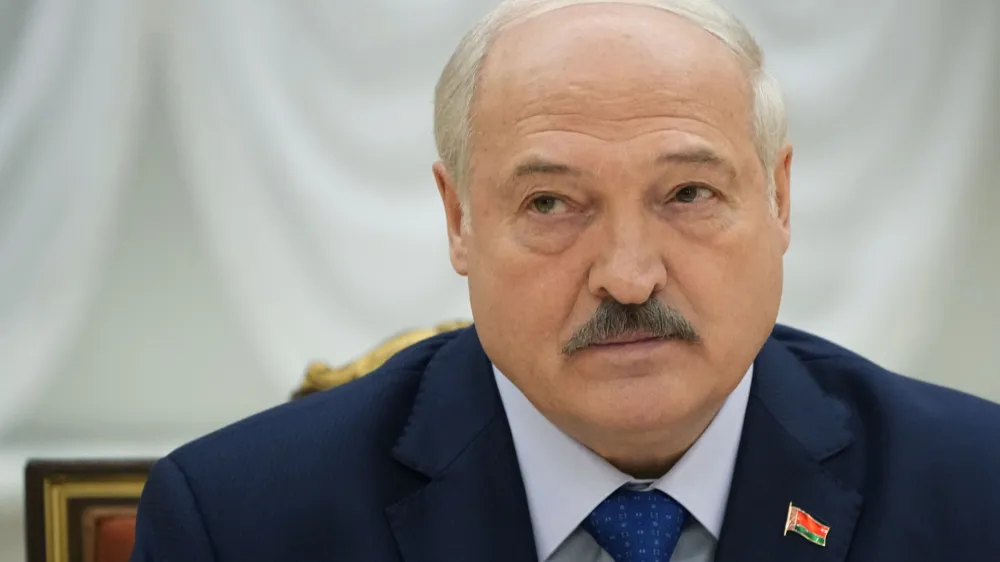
637	525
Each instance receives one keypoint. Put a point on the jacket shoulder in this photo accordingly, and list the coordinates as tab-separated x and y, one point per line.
359	420
319	466
935	437
849	375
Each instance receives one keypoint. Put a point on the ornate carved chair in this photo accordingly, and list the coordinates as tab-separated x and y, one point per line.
320	376
84	511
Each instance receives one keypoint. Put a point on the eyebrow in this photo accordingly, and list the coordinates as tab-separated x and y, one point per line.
539	166
698	156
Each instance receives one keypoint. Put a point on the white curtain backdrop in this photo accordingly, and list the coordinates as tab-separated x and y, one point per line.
300	135
895	108
68	103
306	139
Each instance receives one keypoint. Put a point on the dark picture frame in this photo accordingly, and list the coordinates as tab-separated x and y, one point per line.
64	502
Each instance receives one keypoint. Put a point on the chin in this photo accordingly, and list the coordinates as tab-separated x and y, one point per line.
653	402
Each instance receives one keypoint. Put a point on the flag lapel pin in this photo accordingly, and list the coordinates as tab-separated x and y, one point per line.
800	522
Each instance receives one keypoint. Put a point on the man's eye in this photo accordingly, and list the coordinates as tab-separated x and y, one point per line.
692	193
545	204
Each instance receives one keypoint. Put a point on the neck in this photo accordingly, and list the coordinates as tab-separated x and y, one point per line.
644	469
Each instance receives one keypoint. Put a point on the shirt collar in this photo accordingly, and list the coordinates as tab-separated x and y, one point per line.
564	481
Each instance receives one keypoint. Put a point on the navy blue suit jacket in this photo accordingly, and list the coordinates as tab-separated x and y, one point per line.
415	463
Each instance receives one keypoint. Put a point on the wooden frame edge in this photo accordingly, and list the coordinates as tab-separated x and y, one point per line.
41	475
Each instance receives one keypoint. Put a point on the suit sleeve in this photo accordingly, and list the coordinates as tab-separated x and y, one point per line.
169	527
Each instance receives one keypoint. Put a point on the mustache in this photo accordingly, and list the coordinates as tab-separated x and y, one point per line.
613	319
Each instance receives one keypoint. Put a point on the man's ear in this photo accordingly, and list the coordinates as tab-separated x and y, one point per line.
782	193
454	214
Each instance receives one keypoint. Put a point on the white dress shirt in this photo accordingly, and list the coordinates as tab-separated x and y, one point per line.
564	481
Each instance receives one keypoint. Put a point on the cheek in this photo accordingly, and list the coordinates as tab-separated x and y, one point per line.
728	278
521	304
526	292
548	239
547	236
523	281
525	258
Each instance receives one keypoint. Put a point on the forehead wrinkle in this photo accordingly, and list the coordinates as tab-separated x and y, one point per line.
608	130
608	106
526	90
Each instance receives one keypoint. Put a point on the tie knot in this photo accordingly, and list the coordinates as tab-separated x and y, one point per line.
637	525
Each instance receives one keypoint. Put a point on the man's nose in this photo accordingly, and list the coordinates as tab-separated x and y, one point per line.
629	266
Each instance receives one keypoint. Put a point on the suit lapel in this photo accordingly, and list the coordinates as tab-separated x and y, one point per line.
474	506
790	429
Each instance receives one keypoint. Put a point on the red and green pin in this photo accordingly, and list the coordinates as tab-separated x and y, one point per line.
802	523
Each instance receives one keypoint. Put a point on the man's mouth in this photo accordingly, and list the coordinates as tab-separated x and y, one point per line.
633	337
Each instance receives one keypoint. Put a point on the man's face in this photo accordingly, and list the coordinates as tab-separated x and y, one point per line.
613	164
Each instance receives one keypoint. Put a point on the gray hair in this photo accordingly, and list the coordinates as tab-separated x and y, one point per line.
453	96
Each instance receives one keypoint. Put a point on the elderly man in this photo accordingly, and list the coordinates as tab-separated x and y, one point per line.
615	178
